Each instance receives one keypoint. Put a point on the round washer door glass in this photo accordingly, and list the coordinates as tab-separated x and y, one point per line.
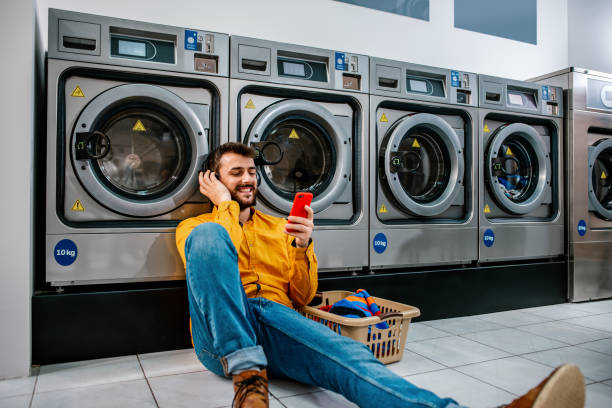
139	150
423	167
600	185
308	156
149	152
421	157
517	168
316	150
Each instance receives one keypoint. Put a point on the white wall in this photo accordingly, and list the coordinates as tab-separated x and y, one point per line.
335	25
590	34
17	21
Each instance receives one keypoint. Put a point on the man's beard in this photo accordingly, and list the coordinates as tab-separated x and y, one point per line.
243	203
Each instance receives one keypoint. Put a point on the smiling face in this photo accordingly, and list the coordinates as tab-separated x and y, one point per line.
238	174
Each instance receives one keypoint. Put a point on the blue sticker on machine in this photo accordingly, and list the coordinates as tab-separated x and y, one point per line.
488	238
340	61
380	243
455	79
65	252
582	228
545	92
191	40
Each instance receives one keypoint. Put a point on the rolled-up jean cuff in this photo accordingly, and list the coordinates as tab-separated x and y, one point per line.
243	359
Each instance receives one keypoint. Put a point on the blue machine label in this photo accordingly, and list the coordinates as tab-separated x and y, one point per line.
455	79
191	40
488	238
65	252
582	228
545	92
380	243
340	61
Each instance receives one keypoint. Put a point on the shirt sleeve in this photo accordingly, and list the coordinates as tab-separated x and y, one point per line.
226	215
304	277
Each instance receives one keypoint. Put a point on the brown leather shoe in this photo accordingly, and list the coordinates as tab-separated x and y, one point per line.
563	388
250	389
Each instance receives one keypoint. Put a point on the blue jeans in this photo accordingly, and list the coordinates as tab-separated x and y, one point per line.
233	333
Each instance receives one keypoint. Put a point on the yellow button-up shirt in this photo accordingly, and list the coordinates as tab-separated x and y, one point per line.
270	266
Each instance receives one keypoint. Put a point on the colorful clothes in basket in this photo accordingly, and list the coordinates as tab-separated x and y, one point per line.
361	304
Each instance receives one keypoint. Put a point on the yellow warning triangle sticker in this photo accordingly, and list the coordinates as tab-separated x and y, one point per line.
382	209
250	104
293	134
78	206
77	92
603	175
487	209
416	143
508	152
486	128
383	118
139	127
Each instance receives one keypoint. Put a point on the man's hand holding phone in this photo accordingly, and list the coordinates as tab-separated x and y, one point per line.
213	188
300	221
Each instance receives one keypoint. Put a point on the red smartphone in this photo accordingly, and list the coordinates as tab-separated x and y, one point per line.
299	202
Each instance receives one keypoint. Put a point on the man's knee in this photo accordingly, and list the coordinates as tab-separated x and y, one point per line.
206	240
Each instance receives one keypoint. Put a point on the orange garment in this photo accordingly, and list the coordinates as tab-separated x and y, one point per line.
270	266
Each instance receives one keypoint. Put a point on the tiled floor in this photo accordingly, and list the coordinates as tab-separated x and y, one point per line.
481	361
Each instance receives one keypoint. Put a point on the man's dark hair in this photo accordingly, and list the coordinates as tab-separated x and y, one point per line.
230	147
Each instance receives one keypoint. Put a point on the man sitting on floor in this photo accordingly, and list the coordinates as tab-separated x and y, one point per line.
247	272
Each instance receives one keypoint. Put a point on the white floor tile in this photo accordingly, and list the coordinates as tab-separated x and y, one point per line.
462	388
455	351
19	401
420	331
514	341
192	389
88	373
412	363
602	346
595	307
595	366
17	386
514	374
513	318
133	394
325	399
170	362
600	322
287	388
566	332
598	396
556	312
461	325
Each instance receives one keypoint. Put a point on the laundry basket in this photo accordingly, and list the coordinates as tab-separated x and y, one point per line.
386	344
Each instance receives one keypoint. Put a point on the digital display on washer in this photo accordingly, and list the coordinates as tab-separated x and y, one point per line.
291	68
133	48
515	99
418	86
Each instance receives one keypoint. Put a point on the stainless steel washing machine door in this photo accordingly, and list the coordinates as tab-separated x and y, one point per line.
136	149
421	161
517	168
600	186
316	153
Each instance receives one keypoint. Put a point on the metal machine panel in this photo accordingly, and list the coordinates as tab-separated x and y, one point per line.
588	234
332	95
401	238
88	241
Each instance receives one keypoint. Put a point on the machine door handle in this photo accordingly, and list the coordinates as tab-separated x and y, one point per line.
91	145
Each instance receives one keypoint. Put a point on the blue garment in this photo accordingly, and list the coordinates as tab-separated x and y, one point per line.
233	333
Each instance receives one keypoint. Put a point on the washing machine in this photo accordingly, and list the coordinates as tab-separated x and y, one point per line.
521	214
589	189
313	104
422	173
132	110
